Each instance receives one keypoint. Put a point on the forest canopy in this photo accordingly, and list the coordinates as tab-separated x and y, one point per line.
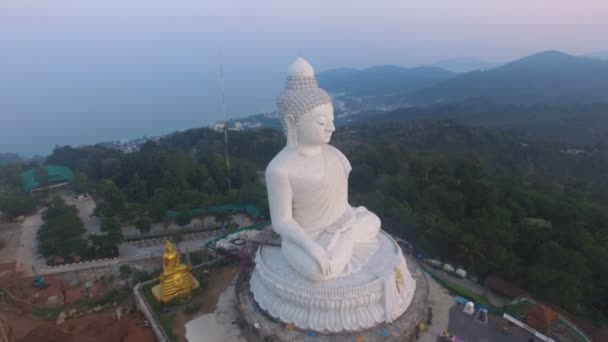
527	211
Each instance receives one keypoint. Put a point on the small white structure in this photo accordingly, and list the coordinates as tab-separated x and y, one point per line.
461	273
218	126
448	268
434	262
469	308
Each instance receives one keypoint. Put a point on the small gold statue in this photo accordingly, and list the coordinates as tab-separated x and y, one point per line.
176	280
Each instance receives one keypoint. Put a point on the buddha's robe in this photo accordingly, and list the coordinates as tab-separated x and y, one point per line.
320	206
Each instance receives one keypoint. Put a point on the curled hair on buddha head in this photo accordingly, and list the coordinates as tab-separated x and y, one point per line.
301	95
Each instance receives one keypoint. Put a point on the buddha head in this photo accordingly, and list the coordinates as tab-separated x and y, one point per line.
169	247
306	110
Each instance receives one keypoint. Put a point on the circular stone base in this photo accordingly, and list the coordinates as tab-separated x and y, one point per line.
378	293
258	325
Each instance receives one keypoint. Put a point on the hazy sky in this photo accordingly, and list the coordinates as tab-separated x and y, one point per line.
74	72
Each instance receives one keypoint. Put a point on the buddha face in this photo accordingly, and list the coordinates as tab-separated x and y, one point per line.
315	127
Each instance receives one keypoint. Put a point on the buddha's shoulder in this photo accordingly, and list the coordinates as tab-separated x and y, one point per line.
280	163
334	151
286	159
330	150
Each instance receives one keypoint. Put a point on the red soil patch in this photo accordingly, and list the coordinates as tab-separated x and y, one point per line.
100	327
22	326
7	267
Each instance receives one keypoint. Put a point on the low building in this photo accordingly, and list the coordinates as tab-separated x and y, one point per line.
57	175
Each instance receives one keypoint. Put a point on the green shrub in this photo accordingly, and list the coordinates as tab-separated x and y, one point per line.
167	322
125	271
47	313
111	296
192	308
196	258
519	310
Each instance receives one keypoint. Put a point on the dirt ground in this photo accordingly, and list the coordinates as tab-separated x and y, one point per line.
100	327
21	324
219	279
10	233
21	287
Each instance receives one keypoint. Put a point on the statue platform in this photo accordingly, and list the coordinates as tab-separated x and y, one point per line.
378	293
258	325
156	290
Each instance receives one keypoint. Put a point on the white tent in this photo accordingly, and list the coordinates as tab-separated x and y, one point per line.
461	273
469	308
448	268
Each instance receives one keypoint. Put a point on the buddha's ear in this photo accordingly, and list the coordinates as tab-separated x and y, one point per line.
290	130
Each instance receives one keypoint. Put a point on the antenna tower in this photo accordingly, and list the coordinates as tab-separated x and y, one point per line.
225	125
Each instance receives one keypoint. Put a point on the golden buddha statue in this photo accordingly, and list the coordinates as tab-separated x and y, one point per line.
176	280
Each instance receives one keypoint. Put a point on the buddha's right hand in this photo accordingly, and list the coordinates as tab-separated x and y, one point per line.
321	257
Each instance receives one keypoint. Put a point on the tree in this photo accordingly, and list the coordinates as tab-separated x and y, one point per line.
223	218
143	224
157	210
15	204
183	217
80	183
137	189
60	234
113	200
113	231
125	271
177	238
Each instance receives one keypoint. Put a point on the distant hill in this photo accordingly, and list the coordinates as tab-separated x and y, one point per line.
599	55
7	158
464	64
571	124
549	77
381	80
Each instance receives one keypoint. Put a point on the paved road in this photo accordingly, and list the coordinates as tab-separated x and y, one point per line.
465	327
448	315
156	247
85	207
205	223
185	238
26	255
10	234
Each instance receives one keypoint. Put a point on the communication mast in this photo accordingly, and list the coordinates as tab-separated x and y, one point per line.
225	125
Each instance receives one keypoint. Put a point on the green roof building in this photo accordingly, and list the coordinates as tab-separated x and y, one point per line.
57	175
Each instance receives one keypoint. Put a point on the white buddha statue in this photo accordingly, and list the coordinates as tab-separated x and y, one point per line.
335	270
307	186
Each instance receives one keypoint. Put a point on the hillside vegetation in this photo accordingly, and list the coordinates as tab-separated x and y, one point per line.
478	198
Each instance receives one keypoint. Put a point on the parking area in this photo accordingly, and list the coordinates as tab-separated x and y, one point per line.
468	329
